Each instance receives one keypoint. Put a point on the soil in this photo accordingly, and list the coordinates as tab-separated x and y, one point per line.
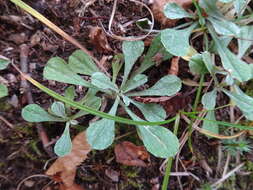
21	152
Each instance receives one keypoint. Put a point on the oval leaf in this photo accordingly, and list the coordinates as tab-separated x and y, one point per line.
35	113
176	42
64	145
4	63
102	81
166	86
209	125
82	63
197	65
57	69
135	82
209	100
174	11
100	134
58	109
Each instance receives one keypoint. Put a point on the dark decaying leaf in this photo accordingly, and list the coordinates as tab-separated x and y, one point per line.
63	169
129	154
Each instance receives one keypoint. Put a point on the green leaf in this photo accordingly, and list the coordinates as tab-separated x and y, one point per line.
3	91
176	42
70	93
158	140
135	82
207	58
116	66
89	100
58	109
82	63
209	125
100	134
225	27
132	50
197	65
210	8
242	100
156	48
245	40
57	69
35	113
236	67
166	86
151	112
174	11
224	40
209	99
102	81
64	145
126	100
4	63
240	6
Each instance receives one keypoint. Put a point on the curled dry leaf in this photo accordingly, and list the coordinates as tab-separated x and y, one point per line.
99	40
158	6
129	154
63	169
174	68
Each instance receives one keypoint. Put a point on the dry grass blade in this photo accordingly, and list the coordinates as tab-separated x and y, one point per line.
64	168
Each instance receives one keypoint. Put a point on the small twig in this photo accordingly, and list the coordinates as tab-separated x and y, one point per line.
7	122
25	88
227	176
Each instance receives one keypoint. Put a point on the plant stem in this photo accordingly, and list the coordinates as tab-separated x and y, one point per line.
194	109
170	159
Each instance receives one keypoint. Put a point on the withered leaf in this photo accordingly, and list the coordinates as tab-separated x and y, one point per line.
63	169
174	68
129	154
99	40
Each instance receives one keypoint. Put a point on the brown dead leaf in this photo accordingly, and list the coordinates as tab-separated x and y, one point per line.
158	7
129	154
99	40
174	68
63	169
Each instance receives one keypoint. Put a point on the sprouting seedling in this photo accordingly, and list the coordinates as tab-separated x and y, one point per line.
100	134
221	30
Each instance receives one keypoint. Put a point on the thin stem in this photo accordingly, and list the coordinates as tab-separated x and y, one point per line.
170	159
195	105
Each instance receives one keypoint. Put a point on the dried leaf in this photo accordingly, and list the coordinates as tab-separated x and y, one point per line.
158	10
63	169
129	154
174	66
99	40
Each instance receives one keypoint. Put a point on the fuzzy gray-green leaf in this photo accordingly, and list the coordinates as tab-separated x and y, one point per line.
237	68
58	109
64	145
57	69
174	11
245	40
159	141
197	65
209	125
82	63
35	113
166	86
135	82
176	42
209	100
100	134
132	50
102	81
